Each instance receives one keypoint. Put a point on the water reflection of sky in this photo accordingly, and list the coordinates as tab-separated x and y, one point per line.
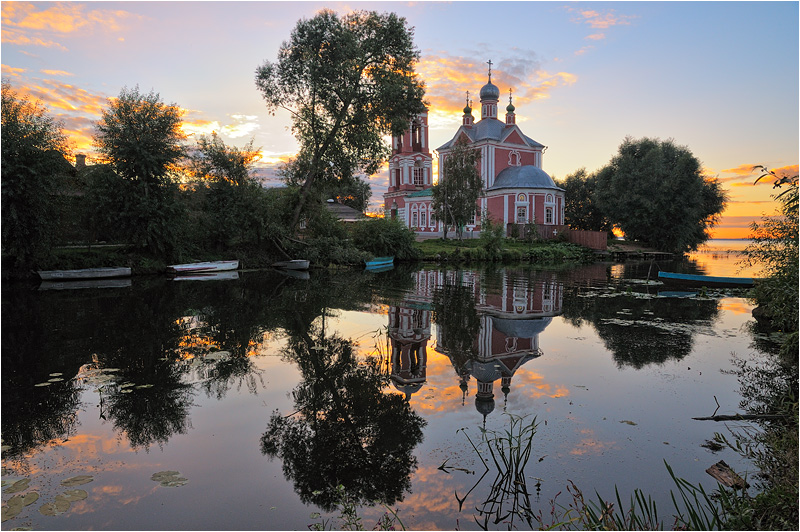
604	419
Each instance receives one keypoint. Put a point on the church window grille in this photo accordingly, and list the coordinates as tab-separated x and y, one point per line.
419	176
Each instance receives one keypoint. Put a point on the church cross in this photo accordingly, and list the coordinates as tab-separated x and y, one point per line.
489	62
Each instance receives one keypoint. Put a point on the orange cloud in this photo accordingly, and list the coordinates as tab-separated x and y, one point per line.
11	72
598	20
57	73
449	78
25	23
596	36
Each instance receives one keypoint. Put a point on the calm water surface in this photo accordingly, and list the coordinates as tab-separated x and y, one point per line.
264	392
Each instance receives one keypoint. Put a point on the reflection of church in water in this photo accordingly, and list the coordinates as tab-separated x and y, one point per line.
511	317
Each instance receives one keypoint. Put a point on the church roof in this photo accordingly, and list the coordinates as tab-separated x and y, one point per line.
523	177
490	129
420	193
521	328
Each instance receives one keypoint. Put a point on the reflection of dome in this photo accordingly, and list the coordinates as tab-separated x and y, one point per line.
408	389
527	176
488	371
484	405
521	328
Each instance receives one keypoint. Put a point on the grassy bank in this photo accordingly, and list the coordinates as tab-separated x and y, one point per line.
507	250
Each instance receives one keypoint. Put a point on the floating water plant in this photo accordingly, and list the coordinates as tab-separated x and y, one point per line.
16	503
77	480
19	485
60	506
169	479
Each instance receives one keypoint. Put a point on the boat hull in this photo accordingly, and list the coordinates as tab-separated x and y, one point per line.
700	281
379	262
199	267
296	264
85	274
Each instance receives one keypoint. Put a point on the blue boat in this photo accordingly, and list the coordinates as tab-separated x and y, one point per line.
379	262
699	281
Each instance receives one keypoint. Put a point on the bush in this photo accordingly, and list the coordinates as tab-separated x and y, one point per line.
385	237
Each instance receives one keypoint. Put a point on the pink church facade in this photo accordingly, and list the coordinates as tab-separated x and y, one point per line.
516	191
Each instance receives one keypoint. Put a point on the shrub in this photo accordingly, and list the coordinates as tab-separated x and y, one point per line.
384	237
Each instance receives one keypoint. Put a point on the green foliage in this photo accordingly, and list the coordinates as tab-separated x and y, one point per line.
33	150
140	137
384	237
454	197
347	83
774	247
492	238
656	193
580	207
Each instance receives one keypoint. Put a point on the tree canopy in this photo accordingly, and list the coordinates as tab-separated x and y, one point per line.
656	193
140	136
33	150
346	82
455	196
580	208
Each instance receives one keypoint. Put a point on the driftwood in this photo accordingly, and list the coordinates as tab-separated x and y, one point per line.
741	417
726	476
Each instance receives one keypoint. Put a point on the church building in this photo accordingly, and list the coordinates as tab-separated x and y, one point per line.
516	191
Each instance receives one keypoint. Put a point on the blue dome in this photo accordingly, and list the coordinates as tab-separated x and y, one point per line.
523	177
490	92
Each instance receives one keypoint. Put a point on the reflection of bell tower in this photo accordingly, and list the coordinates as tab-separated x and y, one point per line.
409	332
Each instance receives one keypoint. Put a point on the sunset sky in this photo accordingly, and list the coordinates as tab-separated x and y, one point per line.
718	77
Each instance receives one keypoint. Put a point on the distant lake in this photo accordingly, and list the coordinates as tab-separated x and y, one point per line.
241	404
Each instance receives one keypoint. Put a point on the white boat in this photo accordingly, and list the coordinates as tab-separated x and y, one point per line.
211	266
295	264
87	273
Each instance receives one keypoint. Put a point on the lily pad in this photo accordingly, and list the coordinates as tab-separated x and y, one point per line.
627	422
218	355
139	387
56	374
72	495
77	480
127	385
43	384
19	485
5	448
55	508
23	500
126	390
169	479
9	512
55	379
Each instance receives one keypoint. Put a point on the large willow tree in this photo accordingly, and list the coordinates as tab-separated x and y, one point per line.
655	191
347	82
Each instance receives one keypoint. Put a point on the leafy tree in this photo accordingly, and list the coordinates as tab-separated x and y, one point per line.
347	82
774	247
581	210
141	138
455	196
656	193
33	150
346	188
233	203
384	237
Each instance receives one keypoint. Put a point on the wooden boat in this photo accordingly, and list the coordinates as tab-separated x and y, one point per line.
88	273
91	283
211	266
207	276
379	262
295	264
699	281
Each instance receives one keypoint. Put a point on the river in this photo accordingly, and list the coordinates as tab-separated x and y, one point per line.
259	395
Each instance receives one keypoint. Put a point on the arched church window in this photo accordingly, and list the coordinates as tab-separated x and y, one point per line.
521	197
514	158
548	215
549	198
416	136
419	174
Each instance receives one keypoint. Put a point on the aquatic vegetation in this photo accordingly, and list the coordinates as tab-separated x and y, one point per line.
169	479
77	480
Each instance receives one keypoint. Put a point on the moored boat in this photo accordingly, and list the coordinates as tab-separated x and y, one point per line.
87	273
294	264
379	262
210	266
698	281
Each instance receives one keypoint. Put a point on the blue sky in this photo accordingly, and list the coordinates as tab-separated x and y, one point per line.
718	77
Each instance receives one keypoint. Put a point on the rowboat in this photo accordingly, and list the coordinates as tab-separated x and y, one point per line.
295	264
88	273
207	276
699	281
211	266
379	262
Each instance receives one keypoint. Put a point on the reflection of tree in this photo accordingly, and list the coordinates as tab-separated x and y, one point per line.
641	330
346	430
457	319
